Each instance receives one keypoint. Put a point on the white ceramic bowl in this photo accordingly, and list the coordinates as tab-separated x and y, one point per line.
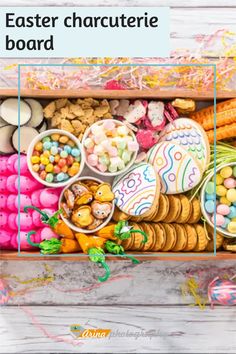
69	223
40	137
107	174
205	213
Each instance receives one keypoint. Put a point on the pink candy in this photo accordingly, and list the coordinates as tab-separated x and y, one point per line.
109	125
223	209
101	167
133	146
219	220
92	160
230	183
112	151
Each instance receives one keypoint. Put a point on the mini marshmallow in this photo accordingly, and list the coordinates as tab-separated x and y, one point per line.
88	143
115	161
96	129
126	156
112	168
121	165
121	143
101	167
98	150
104	160
92	159
122	130
113	152
99	138
109	125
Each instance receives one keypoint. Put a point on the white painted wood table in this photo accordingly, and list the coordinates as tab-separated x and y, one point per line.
147	301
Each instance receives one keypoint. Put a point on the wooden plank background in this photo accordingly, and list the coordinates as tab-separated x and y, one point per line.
142	298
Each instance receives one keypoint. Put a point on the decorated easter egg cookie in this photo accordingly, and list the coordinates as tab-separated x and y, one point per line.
136	190
190	136
177	169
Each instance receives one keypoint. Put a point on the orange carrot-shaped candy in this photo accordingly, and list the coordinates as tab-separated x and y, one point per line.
55	246
225	114
226	132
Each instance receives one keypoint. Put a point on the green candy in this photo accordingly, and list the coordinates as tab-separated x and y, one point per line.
104	160
210	187
49	178
46	139
234	171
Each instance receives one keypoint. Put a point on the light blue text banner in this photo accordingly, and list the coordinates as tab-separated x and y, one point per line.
71	32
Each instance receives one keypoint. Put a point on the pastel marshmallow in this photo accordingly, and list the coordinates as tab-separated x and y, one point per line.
92	160
133	146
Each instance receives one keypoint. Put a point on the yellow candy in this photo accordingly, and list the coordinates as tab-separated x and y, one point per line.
219	179
49	167
38	146
55	137
57	158
224	200
35	159
76	164
73	170
226	172
232	227
35	167
44	160
231	195
46	153
221	191
233	219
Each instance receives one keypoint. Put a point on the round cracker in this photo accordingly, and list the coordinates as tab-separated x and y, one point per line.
192	237
160	237
196	211
171	237
186	209
181	241
174	210
202	238
137	237
163	208
147	228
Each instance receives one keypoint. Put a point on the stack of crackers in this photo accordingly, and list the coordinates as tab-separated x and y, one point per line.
174	226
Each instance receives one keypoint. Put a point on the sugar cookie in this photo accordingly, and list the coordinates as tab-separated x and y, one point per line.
163	208
150	233
192	238
191	136
171	237
137	190
202	238
219	239
186	209
174	210
179	171
160	237
119	215
181	241
196	211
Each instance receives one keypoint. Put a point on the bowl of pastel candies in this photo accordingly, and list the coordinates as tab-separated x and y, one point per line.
222	214
110	147
55	157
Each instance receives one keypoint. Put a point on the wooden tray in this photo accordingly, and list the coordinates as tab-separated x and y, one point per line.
111	94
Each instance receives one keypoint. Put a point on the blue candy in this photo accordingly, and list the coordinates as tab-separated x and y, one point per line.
232	213
60	177
75	152
226	223
47	145
67	148
209	196
210	206
55	143
51	158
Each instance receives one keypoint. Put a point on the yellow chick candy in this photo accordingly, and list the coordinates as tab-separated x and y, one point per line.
104	193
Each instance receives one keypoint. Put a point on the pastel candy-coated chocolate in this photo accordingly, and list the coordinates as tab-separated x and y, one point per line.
231	195
3	201
230	183
226	222
224	200
49	198
221	191
210	206
226	172
232	227
219	220
223	209
209	196
3	184
219	179
210	187
232	213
